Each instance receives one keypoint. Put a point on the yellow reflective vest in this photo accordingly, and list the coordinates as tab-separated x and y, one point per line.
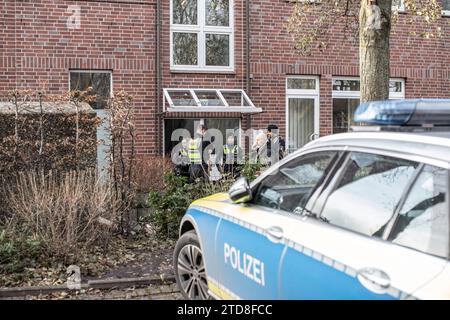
194	154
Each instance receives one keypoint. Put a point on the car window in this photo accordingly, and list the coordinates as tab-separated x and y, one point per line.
423	223
368	192
290	187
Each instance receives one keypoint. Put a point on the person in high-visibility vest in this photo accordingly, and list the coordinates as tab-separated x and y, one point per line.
232	155
196	147
193	151
183	162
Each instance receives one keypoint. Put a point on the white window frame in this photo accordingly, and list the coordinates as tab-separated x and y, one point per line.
401	7
345	94
397	95
201	29
304	94
171	107
357	94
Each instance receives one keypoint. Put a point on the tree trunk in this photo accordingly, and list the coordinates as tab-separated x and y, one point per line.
374	32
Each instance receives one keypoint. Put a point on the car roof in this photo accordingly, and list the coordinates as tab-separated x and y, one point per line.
435	145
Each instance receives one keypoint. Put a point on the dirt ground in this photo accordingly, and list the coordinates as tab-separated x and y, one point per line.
142	255
147	258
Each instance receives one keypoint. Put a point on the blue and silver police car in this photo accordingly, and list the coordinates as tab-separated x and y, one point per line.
360	215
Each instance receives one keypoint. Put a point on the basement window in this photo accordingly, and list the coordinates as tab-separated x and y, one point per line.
208	100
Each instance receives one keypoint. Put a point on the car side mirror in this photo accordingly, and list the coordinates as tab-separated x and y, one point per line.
240	191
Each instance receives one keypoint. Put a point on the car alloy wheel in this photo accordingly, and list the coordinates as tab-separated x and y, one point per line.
191	273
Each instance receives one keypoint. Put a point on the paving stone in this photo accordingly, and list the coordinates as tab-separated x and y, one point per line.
153	292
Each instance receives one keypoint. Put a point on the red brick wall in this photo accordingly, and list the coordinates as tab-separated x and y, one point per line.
38	50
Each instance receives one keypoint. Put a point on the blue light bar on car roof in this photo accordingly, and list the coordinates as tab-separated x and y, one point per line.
420	112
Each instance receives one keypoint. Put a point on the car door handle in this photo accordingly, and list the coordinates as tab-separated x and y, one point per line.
274	234
375	280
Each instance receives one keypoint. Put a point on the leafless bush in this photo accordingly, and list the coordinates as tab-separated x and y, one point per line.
149	173
47	132
66	211
122	153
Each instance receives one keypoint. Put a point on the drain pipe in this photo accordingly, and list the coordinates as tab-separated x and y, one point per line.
247	58
158	78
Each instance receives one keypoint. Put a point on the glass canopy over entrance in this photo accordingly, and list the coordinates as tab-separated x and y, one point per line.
208	100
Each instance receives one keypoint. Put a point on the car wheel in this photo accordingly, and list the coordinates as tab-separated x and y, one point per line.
189	267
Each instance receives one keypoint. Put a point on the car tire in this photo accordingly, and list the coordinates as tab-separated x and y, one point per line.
189	267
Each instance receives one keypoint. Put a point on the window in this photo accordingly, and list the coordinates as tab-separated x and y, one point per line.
190	125
423	221
368	192
446	8
202	35
302	110
290	188
99	81
398	5
346	98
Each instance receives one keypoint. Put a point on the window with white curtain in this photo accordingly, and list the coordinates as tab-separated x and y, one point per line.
302	110
202	35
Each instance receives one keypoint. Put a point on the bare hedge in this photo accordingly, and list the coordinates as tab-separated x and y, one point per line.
51	136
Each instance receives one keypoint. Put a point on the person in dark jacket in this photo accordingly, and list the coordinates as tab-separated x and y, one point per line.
275	143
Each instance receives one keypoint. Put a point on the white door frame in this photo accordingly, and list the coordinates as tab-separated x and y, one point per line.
303	94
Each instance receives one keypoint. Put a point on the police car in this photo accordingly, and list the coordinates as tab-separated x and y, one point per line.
360	215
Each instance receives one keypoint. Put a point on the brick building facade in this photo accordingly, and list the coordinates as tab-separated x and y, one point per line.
218	45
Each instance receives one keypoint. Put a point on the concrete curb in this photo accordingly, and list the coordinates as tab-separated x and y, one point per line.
92	284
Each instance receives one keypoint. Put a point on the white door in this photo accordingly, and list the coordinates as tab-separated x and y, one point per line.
303	125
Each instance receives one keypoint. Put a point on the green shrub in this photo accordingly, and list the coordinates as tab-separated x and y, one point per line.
170	205
18	250
252	170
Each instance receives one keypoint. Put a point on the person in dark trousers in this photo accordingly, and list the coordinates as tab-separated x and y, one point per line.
198	163
275	142
232	156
